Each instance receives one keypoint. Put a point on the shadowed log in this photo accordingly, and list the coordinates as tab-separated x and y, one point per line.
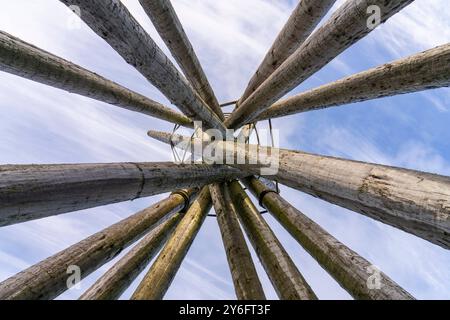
118	278
169	27
246	282
346	26
284	275
27	61
49	278
161	273
35	191
301	23
112	21
349	269
413	201
427	70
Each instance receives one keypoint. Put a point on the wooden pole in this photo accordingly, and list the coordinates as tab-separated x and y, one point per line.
118	278
27	61
346	26
161	273
246	282
169	27
284	275
413	201
348	268
36	191
112	21
301	23
49	278
427	70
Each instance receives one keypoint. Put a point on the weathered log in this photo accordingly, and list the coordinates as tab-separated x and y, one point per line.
161	273
49	278
284	275
246	282
427	70
117	279
351	22
27	61
299	26
169	27
112	21
35	191
413	201
349	269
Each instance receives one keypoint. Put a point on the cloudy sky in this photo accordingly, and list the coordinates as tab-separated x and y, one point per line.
40	124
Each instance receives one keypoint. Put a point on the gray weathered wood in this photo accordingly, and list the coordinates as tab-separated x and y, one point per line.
162	272
348	268
413	201
426	70
284	275
48	278
35	191
169	27
117	279
246	282
27	61
299	26
112	21
345	27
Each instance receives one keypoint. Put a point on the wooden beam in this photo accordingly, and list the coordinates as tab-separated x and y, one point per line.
305	17
346	26
427	70
48	278
36	191
243	272
169	27
413	201
284	275
348	268
161	273
27	61
118	278
112	21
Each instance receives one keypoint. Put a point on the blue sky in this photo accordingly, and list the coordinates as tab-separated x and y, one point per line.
41	124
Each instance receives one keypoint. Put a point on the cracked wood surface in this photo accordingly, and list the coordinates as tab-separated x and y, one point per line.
48	278
426	70
243	272
112	21
348	268
410	200
169	27
162	272
118	278
284	275
36	191
344	28
299	26
25	60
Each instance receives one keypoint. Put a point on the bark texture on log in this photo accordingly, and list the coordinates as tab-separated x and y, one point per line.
112	21
284	275
246	282
427	70
349	269
27	61
413	201
118	278
345	27
48	278
35	191
169	27
305	17
162	272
